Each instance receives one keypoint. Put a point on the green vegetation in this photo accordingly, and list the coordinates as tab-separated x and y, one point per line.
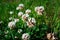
49	22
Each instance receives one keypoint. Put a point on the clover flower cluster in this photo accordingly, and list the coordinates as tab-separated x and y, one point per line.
25	18
30	21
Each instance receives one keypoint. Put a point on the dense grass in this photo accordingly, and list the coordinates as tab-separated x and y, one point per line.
51	16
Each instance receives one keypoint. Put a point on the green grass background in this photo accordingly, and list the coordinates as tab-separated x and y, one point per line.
51	13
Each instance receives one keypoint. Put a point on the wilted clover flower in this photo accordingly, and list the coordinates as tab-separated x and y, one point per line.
19	30
20	14
25	36
53	37
28	11
25	17
39	10
49	36
11	25
31	22
21	6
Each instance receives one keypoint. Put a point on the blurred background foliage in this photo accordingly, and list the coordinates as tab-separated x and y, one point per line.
49	22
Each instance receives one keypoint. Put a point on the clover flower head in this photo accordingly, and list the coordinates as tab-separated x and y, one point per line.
18	8
11	12
20	14
49	35
25	17
11	25
36	8
21	5
25	36
19	30
31	22
39	10
28	11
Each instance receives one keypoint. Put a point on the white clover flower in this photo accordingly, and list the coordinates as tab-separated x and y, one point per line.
28	11
21	5
10	18
49	36
19	30
31	22
17	8
11	12
16	20
20	14
39	10
16	37
36	8
25	17
25	36
11	25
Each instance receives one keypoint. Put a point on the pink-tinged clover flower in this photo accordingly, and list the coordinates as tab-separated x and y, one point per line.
25	17
21	6
39	10
11	25
25	36
31	22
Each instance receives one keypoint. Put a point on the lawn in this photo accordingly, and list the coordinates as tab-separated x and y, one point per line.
47	23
